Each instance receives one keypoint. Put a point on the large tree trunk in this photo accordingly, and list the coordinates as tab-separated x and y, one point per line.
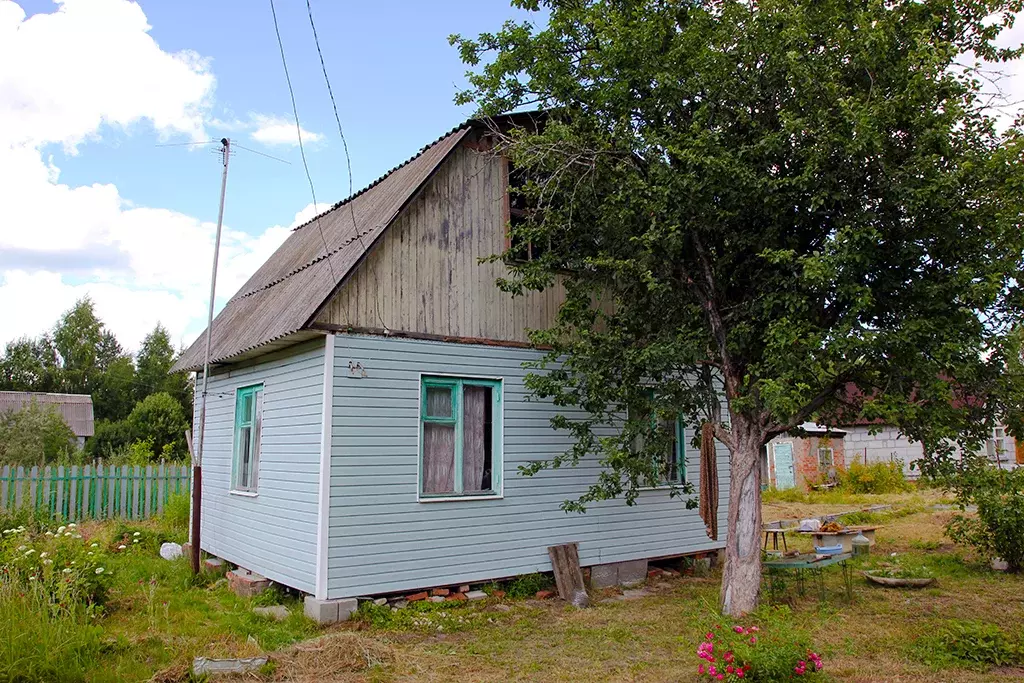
741	580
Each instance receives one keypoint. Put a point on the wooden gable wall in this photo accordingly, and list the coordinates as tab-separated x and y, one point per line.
424	277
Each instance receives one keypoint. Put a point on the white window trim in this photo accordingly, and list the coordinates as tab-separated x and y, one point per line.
420	498
244	493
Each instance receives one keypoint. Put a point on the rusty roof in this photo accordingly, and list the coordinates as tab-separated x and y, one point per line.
282	297
76	409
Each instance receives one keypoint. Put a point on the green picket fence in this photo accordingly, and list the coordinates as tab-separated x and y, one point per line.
93	491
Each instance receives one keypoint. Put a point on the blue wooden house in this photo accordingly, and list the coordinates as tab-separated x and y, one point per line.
367	412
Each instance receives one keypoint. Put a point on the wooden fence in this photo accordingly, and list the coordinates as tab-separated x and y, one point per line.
93	491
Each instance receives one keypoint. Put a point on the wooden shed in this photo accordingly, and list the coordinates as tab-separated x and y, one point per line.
76	409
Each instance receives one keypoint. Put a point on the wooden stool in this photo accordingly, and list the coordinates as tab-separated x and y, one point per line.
775	533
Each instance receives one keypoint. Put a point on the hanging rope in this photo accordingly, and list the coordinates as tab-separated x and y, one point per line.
709	480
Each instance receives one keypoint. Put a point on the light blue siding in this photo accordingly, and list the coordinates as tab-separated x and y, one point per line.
383	540
273	533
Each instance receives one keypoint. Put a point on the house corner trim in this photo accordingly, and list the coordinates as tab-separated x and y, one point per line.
324	492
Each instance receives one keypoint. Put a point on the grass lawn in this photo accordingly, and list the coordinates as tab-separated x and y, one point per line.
157	618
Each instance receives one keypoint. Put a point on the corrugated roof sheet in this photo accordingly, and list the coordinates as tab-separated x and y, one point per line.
76	409
282	296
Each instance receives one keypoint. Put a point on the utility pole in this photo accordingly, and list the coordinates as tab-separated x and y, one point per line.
197	456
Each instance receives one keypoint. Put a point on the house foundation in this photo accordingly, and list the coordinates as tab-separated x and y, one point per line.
629	573
329	611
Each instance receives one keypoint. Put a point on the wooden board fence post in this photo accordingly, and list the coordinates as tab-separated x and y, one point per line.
122	481
565	560
5	477
86	498
47	475
59	483
33	478
73	494
98	502
19	498
135	490
160	488
111	496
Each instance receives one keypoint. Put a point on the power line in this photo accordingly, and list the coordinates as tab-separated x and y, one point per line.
302	151
262	154
348	164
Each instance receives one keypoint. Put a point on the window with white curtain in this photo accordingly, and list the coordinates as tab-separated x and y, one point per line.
460	437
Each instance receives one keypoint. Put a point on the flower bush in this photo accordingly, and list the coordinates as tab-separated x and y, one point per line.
67	568
774	651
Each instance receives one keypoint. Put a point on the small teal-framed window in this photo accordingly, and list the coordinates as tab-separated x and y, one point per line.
248	428
673	466
460	437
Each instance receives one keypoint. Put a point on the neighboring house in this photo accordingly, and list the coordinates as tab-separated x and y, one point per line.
814	458
76	409
367	412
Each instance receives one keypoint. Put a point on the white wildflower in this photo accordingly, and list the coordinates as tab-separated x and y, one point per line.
77	536
61	529
89	553
49	533
135	541
21	548
122	546
30	551
137	533
99	570
72	525
47	561
31	578
67	570
43	554
94	545
68	534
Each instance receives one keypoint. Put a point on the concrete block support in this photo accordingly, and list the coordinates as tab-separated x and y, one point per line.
329	611
618	574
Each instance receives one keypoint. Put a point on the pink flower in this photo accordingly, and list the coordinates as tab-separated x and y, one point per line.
700	669
729	656
753	639
739	674
712	670
710	636
720	677
738	629
729	669
753	629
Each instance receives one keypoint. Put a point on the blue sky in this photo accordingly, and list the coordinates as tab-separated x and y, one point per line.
393	73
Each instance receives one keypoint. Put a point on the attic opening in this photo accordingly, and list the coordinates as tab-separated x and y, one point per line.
521	209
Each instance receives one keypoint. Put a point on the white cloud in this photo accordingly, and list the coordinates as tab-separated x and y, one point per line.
67	77
276	130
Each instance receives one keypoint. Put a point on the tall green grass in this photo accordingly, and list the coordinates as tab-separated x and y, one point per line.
43	642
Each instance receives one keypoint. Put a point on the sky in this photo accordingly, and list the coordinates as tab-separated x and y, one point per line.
92	204
100	198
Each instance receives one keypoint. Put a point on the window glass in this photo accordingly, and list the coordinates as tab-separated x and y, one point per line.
439	401
248	428
825	458
460	439
672	462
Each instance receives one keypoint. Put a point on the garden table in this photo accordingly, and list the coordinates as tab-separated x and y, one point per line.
810	564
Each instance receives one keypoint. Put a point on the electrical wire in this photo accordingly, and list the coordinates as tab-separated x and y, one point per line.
302	151
348	163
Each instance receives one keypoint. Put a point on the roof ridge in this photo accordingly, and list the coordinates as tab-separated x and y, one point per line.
465	124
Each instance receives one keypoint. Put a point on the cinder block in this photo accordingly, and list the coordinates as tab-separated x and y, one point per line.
632	573
604	575
618	574
329	611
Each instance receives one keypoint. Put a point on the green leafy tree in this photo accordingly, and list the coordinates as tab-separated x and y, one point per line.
154	361
34	435
30	365
801	206
83	346
159	418
114	395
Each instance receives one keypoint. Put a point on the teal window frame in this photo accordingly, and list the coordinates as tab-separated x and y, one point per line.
254	422
679	452
456	385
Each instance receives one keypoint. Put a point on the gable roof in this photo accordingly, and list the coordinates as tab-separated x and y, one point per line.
76	409
282	297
